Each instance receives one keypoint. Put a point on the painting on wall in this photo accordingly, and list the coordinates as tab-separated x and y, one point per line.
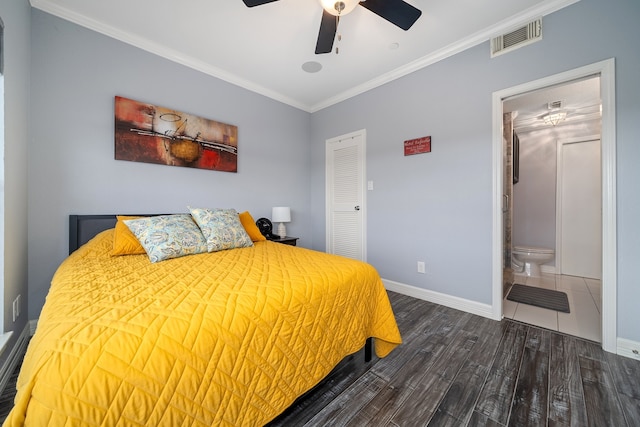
151	134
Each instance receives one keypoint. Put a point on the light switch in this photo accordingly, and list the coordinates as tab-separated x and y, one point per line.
370	185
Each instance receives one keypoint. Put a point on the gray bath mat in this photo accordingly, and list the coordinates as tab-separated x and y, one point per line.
540	297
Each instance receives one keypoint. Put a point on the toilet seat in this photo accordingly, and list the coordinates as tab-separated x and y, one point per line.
532	250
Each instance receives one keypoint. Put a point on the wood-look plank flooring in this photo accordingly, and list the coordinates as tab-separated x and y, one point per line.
458	369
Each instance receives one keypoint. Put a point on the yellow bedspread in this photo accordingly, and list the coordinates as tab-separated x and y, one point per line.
228	338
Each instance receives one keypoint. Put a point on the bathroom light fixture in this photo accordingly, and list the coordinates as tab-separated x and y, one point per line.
554	117
281	214
339	8
555	114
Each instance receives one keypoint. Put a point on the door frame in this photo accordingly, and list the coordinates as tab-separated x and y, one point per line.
606	70
559	212
328	196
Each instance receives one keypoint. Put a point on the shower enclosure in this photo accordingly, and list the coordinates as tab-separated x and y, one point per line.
507	198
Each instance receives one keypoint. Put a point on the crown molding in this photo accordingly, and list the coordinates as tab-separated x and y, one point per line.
160	50
545	8
482	36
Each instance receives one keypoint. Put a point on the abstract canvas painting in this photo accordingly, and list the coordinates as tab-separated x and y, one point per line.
151	134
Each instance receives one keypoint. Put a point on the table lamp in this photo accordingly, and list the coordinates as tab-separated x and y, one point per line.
281	214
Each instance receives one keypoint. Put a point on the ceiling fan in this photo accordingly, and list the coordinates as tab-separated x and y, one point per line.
398	12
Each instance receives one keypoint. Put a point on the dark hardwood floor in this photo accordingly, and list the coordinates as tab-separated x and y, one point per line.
9	392
458	369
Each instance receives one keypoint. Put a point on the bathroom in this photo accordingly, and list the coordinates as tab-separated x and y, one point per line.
552	200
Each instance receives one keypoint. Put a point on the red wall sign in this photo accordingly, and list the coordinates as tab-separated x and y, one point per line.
417	146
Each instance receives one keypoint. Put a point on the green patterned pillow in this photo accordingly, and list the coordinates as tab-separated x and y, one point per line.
168	236
222	229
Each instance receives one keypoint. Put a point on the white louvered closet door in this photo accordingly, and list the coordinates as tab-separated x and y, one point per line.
345	196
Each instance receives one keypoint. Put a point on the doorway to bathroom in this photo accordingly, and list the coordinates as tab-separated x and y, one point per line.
525	194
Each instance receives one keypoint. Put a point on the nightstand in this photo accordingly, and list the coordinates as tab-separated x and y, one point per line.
287	240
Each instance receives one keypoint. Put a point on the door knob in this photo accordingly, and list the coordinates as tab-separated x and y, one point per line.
357	208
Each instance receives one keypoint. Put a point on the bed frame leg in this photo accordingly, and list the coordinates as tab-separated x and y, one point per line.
368	350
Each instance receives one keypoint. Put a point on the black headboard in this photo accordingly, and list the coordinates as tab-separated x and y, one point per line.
83	228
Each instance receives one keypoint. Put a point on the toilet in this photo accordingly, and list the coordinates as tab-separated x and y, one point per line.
527	259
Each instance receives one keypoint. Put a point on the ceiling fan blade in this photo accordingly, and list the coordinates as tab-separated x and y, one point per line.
328	28
398	12
251	3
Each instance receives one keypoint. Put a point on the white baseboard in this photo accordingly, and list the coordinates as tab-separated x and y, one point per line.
625	347
457	303
548	269
4	340
628	348
14	357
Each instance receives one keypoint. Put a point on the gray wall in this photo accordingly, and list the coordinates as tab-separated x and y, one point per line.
437	207
75	75
16	18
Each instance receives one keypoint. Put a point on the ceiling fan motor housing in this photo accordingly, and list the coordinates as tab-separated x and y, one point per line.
339	8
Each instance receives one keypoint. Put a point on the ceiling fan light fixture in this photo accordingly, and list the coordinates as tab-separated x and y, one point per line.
339	8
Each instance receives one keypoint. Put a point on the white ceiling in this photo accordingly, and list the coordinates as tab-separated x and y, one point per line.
580	99
263	48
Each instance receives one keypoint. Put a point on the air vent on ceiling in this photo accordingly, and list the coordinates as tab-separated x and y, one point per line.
522	36
554	105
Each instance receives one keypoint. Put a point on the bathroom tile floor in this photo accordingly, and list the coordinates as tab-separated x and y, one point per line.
585	304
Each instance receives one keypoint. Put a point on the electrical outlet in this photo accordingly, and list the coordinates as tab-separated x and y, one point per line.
421	268
628	348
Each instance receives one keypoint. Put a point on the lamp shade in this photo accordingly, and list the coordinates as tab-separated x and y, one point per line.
281	214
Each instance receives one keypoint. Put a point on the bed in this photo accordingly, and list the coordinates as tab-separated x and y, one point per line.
231	337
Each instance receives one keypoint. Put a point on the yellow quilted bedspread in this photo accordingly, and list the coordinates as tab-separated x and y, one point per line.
228	338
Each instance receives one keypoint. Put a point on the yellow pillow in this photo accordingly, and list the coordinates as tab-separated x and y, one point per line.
124	241
250	227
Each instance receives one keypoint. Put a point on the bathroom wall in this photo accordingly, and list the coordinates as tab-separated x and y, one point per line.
534	196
